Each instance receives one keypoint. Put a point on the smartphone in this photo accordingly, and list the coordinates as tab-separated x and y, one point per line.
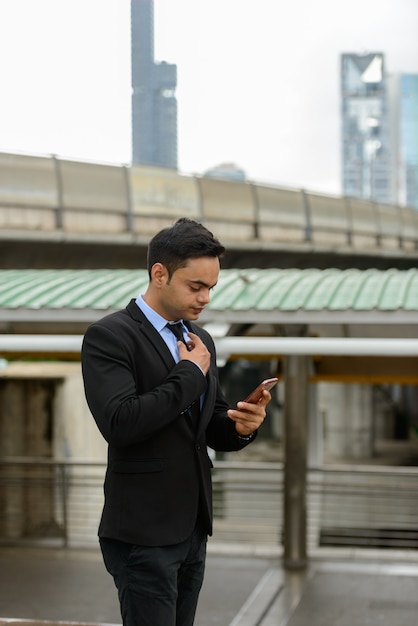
257	393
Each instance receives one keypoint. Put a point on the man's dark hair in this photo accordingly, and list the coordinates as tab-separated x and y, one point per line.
185	239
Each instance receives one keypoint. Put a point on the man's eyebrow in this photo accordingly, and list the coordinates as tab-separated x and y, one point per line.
203	284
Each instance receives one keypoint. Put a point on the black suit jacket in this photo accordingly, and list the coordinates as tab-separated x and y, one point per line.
159	473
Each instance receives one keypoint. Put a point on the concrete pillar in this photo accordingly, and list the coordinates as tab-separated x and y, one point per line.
77	438
46	417
296	371
12	443
76	434
347	411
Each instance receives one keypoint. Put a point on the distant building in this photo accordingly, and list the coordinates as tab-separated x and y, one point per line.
367	170
407	92
229	171
154	104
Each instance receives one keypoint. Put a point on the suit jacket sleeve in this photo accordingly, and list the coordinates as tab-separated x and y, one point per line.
221	434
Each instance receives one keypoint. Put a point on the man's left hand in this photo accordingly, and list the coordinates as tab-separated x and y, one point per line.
248	417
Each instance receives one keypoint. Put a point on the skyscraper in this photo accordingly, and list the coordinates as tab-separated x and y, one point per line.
408	139
366	150
154	105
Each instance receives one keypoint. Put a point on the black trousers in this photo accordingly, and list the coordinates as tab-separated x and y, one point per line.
157	586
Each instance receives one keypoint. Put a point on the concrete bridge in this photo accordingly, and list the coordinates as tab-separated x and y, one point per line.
69	214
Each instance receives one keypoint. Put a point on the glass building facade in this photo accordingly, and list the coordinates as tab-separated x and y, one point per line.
366	148
408	139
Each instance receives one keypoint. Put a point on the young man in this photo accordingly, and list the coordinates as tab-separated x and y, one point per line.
158	404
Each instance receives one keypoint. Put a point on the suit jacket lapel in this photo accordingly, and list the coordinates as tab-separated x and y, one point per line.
208	403
150	334
210	394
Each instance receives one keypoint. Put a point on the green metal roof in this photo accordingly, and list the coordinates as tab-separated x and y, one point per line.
289	290
72	289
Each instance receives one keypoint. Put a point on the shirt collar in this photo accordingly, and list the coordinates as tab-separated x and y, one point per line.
152	316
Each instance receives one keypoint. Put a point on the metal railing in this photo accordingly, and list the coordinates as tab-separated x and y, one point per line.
59	503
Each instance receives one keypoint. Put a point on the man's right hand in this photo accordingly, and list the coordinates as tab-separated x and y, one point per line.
196	352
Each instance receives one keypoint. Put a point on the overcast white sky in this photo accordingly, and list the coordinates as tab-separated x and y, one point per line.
258	80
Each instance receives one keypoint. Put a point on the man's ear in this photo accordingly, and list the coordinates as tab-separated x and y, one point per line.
159	274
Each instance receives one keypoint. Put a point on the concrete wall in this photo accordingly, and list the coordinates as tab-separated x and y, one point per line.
44	417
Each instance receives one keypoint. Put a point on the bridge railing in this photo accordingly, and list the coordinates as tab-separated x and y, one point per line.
60	502
48	194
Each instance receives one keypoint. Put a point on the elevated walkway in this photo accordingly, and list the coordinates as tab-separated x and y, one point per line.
63	213
43	587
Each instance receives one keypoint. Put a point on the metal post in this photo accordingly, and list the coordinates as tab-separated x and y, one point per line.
308	216
130	226
296	371
59	211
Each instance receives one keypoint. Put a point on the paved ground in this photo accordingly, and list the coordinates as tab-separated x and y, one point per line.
379	589
376	589
72	585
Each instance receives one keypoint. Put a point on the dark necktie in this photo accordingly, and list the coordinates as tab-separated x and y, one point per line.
177	330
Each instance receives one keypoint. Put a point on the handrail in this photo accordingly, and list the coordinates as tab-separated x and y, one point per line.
348	504
240	345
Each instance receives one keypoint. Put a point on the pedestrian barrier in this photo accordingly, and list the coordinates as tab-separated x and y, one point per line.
59	503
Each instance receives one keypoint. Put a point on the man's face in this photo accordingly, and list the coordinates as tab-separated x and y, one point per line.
185	295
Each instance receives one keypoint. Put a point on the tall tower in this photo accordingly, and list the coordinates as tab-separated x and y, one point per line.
367	170
408	139
154	105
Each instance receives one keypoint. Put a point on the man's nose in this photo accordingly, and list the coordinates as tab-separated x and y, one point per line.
204	295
